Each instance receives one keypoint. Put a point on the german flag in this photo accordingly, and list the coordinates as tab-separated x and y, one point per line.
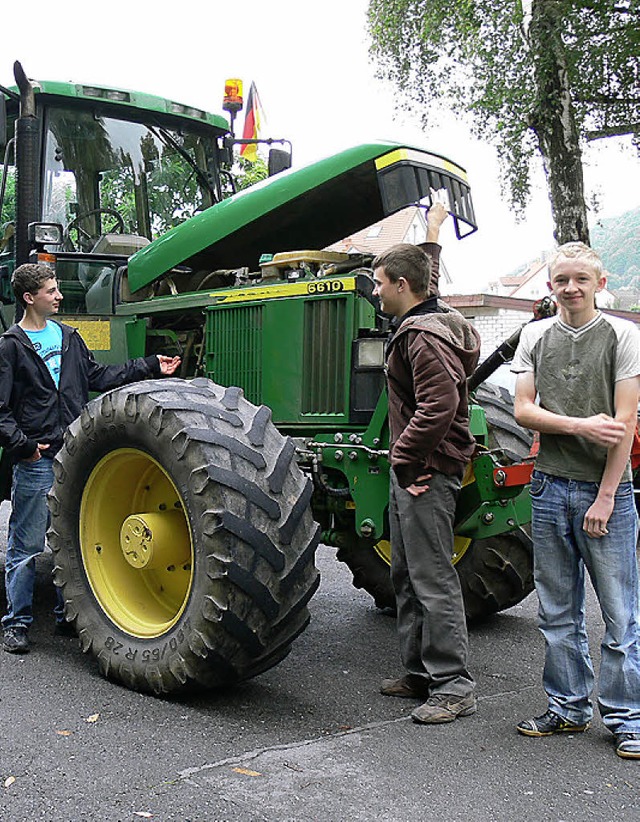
251	124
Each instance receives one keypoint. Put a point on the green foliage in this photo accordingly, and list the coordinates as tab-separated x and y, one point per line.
616	240
116	192
477	57
172	189
174	195
9	204
248	172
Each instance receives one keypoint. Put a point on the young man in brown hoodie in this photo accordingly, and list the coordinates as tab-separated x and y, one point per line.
431	354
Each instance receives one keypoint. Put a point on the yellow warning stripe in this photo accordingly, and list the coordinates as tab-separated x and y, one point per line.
328	285
399	155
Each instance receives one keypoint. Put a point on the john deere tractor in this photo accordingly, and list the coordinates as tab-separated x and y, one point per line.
186	512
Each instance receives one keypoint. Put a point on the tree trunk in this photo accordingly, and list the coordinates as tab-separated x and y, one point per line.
553	122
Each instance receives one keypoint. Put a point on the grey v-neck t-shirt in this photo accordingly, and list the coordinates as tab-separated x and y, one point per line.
575	372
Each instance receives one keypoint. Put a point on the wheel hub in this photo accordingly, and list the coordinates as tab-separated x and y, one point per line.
136	543
155	540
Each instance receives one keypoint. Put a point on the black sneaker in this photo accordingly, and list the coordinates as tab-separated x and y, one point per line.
628	746
15	640
549	724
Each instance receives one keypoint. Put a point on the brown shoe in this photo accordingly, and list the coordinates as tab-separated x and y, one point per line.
406	687
444	708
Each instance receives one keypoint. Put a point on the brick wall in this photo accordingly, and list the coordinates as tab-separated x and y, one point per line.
494	328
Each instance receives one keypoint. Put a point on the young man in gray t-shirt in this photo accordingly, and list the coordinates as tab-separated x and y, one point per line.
578	382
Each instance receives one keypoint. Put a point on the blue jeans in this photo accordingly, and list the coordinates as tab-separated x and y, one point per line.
27	533
562	551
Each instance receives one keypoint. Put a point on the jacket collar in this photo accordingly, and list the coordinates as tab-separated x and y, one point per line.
20	334
428	306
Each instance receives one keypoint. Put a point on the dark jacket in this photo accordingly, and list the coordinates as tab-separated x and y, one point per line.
32	409
429	359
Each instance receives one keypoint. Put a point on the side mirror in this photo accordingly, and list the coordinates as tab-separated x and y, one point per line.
279	160
225	155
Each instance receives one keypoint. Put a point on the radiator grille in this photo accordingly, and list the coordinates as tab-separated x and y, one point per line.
324	366
234	343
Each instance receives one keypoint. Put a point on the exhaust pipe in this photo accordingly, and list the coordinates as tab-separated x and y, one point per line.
27	153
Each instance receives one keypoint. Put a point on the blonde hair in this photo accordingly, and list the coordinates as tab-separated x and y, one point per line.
576	250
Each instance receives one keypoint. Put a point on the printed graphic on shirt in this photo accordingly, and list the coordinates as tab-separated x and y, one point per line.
48	343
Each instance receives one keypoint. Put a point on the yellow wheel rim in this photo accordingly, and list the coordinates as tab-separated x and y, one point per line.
136	543
383	550
460	545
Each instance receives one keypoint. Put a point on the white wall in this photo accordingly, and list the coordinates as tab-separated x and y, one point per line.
495	328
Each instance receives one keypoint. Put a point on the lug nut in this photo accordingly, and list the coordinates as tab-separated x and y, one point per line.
367	528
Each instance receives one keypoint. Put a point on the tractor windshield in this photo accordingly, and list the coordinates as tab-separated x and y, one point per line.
104	175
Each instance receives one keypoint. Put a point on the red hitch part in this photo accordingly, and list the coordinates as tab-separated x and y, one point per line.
509	475
635	451
520	473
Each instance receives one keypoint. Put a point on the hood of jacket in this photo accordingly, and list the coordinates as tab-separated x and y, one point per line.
449	326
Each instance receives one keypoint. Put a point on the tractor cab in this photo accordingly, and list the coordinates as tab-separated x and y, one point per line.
94	174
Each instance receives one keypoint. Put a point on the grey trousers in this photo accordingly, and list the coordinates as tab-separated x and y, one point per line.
431	623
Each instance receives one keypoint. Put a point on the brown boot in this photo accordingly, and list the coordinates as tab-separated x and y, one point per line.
444	708
406	687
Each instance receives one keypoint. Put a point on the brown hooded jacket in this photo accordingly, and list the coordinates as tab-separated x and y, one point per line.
429	359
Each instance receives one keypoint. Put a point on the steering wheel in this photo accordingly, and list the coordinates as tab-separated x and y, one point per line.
84	240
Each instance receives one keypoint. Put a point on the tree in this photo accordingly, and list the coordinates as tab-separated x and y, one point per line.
250	172
534	75
172	188
616	238
8	213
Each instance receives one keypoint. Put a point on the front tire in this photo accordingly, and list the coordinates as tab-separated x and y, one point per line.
183	537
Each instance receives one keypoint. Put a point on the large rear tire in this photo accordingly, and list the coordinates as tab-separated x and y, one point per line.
183	537
370	564
504	432
495	573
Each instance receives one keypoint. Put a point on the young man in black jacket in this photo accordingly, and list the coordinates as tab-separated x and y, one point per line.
46	374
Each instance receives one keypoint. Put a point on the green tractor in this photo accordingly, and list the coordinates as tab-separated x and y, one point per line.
186	512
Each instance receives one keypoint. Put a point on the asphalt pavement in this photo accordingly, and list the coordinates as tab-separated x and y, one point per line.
311	740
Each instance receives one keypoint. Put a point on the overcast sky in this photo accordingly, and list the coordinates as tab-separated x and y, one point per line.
317	86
